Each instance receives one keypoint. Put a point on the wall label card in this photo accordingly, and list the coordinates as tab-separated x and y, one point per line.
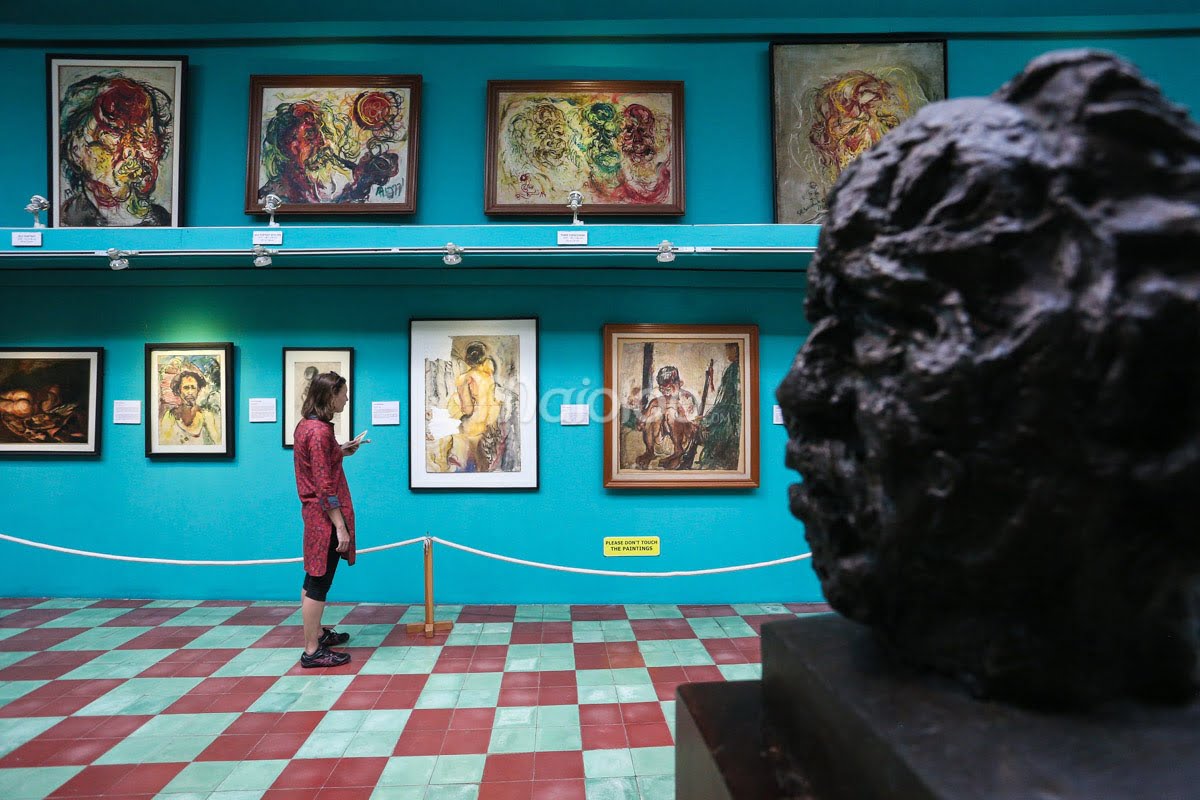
127	412
262	409
777	415
27	239
572	238
575	414
631	546
268	237
385	412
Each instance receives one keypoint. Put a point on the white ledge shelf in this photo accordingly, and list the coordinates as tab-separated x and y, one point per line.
730	255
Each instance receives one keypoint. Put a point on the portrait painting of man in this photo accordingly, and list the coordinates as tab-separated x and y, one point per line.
114	138
474	404
188	399
681	405
832	102
50	401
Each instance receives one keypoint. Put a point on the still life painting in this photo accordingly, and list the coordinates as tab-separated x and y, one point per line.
50	401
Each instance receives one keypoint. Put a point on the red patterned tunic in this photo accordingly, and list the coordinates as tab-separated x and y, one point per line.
321	484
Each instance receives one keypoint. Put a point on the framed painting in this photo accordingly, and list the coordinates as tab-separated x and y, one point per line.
300	366
618	143
831	101
333	144
681	406
116	140
189	400
473	398
50	401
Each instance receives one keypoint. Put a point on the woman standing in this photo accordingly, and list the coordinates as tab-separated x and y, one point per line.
327	511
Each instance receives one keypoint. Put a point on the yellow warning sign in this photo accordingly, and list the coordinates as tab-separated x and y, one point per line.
630	545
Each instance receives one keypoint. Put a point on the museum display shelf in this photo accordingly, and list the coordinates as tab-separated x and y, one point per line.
614	254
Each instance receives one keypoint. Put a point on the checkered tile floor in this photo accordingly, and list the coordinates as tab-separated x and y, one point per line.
189	700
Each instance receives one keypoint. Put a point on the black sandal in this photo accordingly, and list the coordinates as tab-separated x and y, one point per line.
323	657
330	637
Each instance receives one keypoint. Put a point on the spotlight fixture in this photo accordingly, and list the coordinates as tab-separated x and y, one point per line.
271	204
262	256
665	253
453	255
574	201
119	259
37	204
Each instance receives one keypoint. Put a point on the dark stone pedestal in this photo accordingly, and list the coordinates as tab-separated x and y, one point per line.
832	714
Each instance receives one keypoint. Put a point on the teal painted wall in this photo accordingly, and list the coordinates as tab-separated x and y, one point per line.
246	508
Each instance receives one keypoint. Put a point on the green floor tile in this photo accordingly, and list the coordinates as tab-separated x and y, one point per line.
594	677
556	613
656	787
556	716
587	636
522	664
740	672
458	769
200	777
187	724
707	628
607	763
631	676
662	658
260	662
14	657
85	618
639	693
140	696
252	776
490	628
557	739
203	616
229	636
172	604
398	793
515	717
589	695
457	791
341	722
7	632
117	664
11	690
494	638
477	681
67	602
736	627
35	783
275	702
611	789
437	699
408	771
99	639
512	740
366	635
16	732
547	664
478	698
251	794
446	682
372	744
325	745
317	699
156	750
385	720
653	760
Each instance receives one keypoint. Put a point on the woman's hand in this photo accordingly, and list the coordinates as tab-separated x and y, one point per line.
343	540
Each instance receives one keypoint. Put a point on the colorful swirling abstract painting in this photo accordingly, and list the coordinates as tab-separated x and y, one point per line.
834	101
333	143
620	144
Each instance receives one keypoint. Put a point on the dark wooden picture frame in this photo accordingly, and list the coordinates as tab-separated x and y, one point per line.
605	139
116	127
190	400
334	144
51	401
680	406
832	98
297	362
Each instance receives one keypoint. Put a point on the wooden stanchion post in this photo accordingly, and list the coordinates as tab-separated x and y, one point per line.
428	627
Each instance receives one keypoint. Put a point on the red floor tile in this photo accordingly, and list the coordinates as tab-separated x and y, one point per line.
356	772
510	697
558	765
298	722
32	617
146	778
37	639
509	790
520	680
600	714
171	637
508	767
374	615
556	678
21	602
395	700
143	617
262	615
305	773
692	612
47	665
346	793
603	737
472	718
557	696
420	743
230	747
703	674
558	790
429	719
356	701
459	743
633	713
595	613
277	746
119	603
654	734
92	781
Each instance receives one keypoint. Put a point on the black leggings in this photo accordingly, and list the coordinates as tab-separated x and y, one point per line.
316	588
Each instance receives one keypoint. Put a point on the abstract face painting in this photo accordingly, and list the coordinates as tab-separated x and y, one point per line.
832	102
115	139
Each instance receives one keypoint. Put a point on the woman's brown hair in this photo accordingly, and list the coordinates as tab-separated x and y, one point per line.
321	391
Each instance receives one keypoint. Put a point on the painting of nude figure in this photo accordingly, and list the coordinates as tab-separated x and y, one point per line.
681	406
50	401
473	401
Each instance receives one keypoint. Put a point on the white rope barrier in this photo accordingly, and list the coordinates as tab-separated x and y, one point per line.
190	562
585	571
405	543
